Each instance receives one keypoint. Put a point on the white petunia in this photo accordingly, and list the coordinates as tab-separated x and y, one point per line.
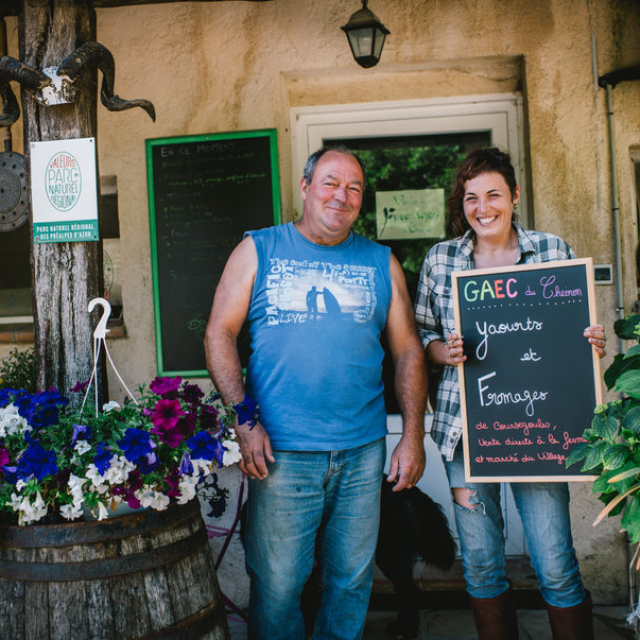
82	446
200	464
232	454
76	488
71	511
11	422
109	406
102	511
32	511
97	481
118	471
187	488
153	499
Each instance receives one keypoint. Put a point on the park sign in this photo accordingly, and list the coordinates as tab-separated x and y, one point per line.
531	380
64	191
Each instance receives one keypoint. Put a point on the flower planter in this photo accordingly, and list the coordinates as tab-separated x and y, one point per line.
144	575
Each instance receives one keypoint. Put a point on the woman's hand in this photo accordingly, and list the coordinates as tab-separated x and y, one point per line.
596	336
448	352
454	350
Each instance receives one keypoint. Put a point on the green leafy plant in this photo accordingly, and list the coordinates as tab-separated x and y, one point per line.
18	370
612	450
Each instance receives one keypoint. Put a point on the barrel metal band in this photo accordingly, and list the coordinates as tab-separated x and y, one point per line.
104	568
63	535
193	626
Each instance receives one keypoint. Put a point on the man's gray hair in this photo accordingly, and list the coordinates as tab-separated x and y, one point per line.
312	161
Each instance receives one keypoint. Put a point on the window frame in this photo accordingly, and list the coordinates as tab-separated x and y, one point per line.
501	114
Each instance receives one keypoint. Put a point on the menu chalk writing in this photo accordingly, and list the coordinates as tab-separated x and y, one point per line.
531	379
205	191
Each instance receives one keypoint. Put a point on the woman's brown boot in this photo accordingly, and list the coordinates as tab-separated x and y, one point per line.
571	623
495	618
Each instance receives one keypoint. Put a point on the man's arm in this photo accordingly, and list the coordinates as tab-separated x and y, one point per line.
408	458
228	313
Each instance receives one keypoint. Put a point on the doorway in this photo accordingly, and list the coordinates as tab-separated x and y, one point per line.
411	151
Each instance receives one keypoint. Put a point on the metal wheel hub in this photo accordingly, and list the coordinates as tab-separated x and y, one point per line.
13	191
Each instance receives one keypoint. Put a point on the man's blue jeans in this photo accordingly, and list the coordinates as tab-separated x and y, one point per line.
544	511
329	500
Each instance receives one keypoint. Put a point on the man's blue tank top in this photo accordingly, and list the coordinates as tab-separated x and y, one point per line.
315	321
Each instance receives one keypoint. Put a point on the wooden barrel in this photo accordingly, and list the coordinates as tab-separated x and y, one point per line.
147	575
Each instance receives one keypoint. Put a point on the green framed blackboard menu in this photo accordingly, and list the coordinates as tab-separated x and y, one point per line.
531	379
205	191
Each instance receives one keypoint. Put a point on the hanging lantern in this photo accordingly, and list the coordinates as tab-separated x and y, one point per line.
366	36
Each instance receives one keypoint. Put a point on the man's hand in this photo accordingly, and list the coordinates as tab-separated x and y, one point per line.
407	462
255	447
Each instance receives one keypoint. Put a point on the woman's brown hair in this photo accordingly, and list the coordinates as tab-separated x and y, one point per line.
477	162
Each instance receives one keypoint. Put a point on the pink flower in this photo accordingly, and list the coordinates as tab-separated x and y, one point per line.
173	480
165	386
166	414
4	456
172	436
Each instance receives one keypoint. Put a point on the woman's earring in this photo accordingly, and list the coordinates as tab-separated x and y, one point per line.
515	206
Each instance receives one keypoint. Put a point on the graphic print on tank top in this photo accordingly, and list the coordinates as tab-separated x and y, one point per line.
305	291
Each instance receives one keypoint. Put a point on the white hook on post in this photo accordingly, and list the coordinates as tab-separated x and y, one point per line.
99	339
101	330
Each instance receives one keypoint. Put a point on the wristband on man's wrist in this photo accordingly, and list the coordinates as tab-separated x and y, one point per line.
247	411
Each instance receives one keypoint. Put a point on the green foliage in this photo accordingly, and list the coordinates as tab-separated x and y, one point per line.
612	450
388	169
18	370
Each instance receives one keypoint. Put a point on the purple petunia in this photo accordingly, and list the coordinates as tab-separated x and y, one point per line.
11	474
204	446
80	430
208	418
40	409
192	393
172	437
247	411
148	463
173	480
186	466
166	386
80	387
7	396
37	462
135	443
166	414
103	458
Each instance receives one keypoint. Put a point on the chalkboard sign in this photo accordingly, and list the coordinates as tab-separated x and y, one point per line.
205	191
531	379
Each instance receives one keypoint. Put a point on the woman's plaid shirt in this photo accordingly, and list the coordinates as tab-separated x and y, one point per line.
434	313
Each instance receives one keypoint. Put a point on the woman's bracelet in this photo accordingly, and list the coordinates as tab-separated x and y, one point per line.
247	411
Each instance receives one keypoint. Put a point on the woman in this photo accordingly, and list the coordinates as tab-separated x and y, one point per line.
481	214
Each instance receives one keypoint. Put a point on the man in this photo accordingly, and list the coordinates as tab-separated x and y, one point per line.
315	453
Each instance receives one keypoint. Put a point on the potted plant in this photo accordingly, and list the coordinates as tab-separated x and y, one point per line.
64	471
612	448
62	462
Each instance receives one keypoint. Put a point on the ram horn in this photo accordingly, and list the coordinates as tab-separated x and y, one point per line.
27	77
91	55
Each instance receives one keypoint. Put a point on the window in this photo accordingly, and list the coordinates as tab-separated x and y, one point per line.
496	116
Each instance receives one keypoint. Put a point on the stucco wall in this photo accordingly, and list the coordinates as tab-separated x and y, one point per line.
226	66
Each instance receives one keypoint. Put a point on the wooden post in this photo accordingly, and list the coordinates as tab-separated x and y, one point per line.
65	276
